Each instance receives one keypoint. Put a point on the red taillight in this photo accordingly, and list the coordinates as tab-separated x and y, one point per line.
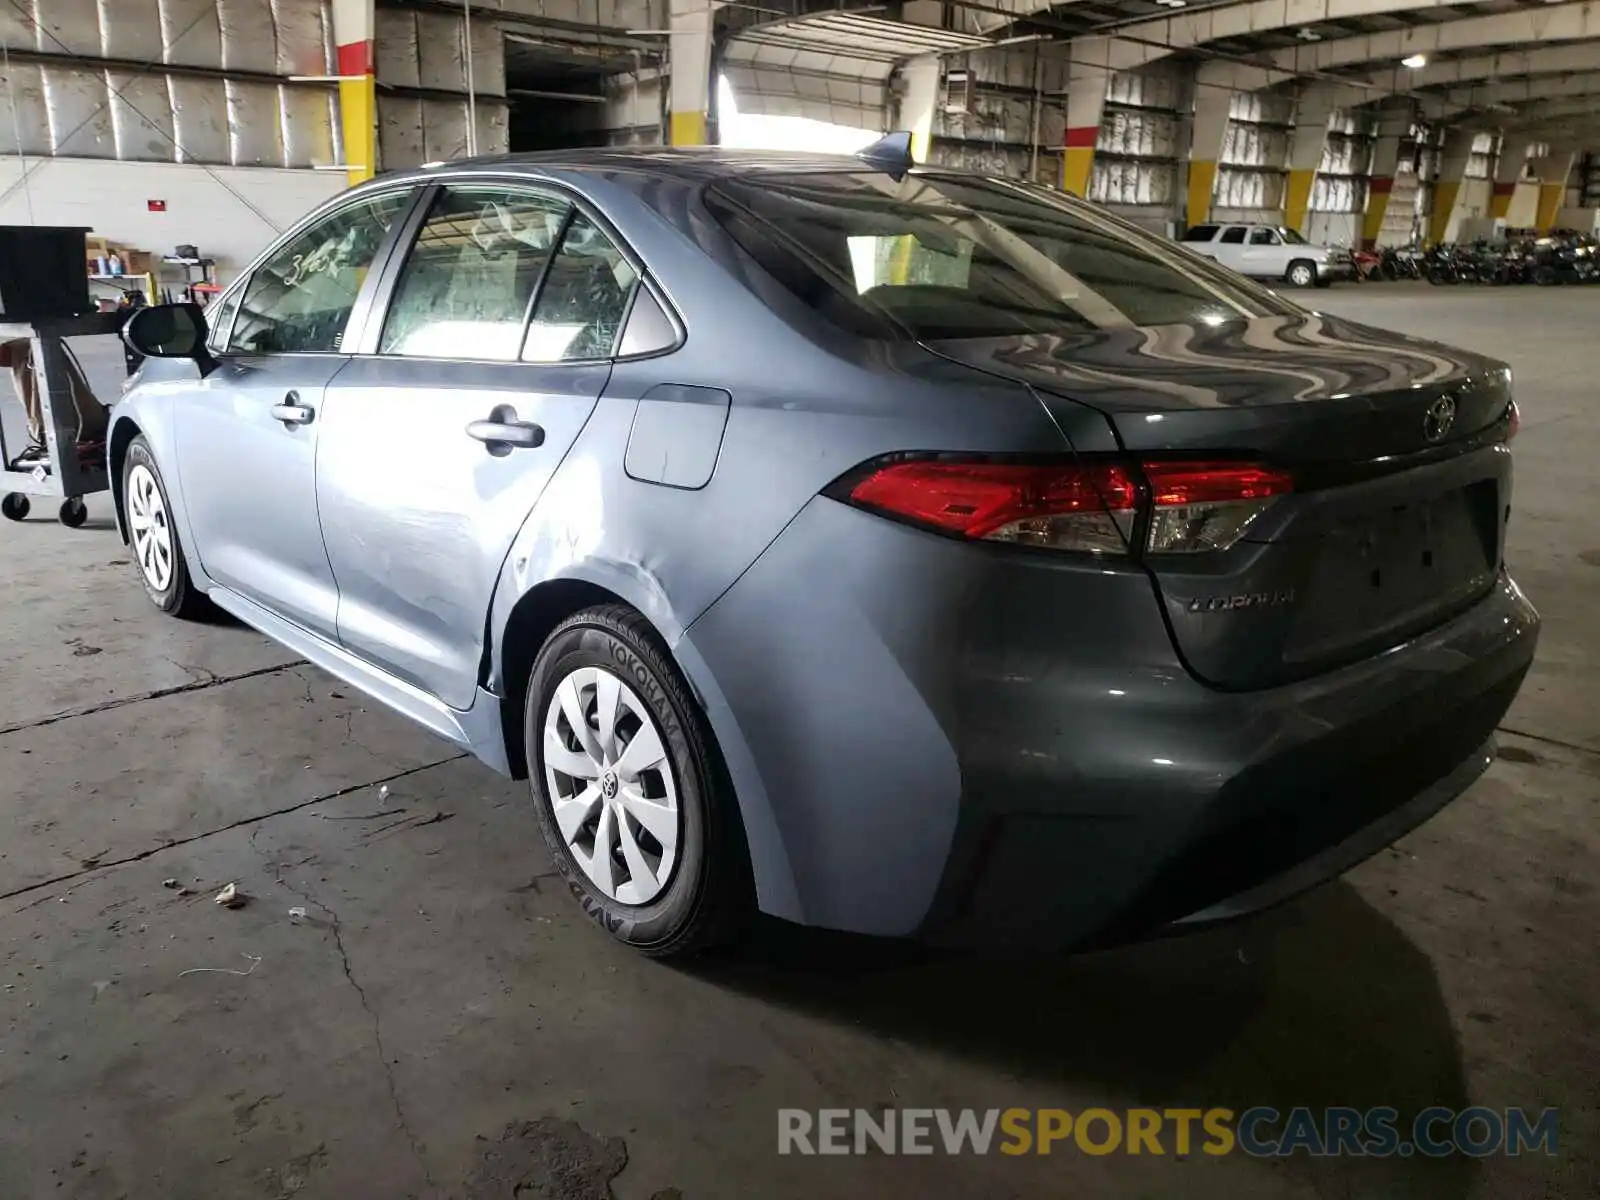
1093	506
1178	483
1199	506
1064	507
1513	421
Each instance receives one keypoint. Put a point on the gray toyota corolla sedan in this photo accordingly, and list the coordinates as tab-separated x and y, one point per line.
887	549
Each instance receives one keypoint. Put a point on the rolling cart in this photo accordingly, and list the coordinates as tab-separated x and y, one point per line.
62	474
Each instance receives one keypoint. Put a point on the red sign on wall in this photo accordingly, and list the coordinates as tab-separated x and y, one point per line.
157	205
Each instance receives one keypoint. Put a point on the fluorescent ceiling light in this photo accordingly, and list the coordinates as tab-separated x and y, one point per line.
1415	61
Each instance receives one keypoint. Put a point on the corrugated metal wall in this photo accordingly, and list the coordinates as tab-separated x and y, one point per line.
1255	155
1011	106
195	81
1141	134
426	52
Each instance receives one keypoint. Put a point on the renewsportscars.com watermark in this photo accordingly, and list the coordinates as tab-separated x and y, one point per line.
1258	1132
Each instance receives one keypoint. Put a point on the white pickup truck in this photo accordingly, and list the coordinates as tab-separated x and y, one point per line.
1270	252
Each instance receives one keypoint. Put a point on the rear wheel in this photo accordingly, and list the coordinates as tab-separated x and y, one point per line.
1302	273
153	537
629	790
15	506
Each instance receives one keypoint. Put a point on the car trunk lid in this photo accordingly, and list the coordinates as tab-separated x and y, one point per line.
1396	446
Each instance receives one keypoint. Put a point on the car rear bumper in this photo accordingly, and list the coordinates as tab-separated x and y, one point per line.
978	746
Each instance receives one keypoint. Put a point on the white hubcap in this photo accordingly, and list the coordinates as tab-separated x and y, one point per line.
147	521
611	786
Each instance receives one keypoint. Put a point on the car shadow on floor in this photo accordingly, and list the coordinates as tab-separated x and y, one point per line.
1320	1003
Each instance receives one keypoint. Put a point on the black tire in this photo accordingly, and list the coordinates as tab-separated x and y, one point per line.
15	507
1306	269
709	894
179	597
73	513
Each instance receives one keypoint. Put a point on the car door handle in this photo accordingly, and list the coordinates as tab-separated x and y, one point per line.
503	432
291	412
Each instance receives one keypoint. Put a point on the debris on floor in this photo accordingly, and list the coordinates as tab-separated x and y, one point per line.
232	897
297	914
547	1159
253	959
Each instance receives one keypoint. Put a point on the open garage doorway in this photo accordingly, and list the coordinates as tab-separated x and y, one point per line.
566	95
757	131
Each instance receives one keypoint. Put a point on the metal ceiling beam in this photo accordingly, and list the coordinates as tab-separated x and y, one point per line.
1544	25
1516	92
1142	42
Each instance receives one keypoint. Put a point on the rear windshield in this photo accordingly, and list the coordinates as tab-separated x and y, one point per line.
941	256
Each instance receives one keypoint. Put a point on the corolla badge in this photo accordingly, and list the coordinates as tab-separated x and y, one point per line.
1441	415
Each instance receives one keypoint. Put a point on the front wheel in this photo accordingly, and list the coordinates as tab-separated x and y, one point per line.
630	793
153	536
1302	273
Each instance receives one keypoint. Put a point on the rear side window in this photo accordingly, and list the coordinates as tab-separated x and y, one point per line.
467	283
1201	233
299	300
1233	236
1263	237
582	300
934	256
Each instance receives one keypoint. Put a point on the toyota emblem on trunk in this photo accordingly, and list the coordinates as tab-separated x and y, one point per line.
1437	420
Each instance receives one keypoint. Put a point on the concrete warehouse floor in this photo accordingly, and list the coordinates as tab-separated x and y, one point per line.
443	987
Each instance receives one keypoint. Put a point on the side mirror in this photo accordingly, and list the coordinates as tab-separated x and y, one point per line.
170	331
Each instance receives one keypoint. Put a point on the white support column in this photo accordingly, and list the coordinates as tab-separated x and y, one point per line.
1394	124
1086	102
1453	159
689	60
920	80
1555	169
1213	96
1507	172
1316	106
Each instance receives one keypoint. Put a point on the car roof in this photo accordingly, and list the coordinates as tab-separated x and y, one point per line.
639	163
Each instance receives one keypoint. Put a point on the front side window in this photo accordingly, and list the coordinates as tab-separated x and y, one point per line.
466	285
1233	236
582	300
1263	237
299	300
219	320
941	256
1290	236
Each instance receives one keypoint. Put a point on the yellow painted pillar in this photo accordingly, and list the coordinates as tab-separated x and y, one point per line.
1086	103
1202	188
1554	171
1297	199
1393	127
1312	112
1508	167
358	93
1444	204
689	64
688	128
1213	97
1077	159
1453	158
